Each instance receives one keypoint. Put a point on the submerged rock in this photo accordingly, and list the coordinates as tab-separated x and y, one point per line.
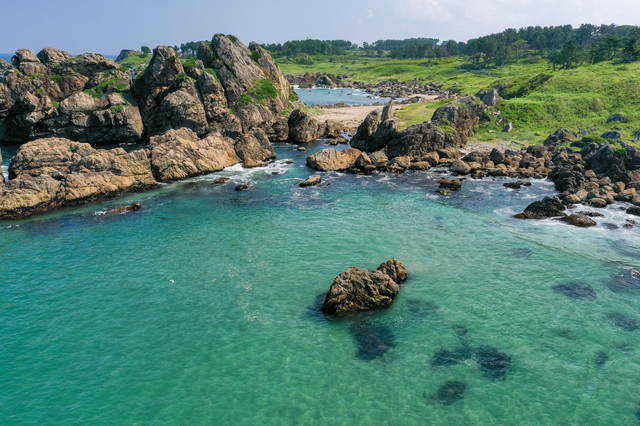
242	187
372	340
418	309
452	184
579	220
626	282
446	358
576	291
516	185
448	393
221	180
601	358
622	321
493	364
360	290
522	253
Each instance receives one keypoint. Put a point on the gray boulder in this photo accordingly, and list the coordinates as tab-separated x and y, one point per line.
302	127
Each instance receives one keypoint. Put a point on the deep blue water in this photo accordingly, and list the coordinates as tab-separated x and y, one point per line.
203	307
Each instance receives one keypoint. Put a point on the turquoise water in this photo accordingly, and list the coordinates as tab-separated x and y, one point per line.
317	96
202	308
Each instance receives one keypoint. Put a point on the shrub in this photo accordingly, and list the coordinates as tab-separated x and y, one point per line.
118	109
264	89
619	150
245	99
255	56
214	73
55	104
232	38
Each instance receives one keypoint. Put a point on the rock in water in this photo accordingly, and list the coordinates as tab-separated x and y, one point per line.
360	290
394	269
372	340
622	321
548	207
130	208
626	282
329	159
493	364
448	393
579	220
312	181
179	154
221	180
452	184
419	309
49	173
446	358
302	128
575	291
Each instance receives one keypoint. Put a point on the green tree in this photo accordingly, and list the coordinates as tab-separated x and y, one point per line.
145	49
518	47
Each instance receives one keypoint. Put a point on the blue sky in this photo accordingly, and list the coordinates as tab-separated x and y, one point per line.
109	26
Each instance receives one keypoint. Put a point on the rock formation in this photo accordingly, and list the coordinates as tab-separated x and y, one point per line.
48	173
360	290
329	159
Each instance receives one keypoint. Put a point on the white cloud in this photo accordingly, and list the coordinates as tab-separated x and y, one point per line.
369	14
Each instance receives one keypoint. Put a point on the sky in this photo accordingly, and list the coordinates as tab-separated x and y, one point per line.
108	26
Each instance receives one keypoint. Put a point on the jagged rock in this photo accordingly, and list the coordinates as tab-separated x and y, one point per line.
24	56
180	154
242	187
124	54
387	112
48	173
312	181
180	109
559	137
508	128
330	159
302	127
598	203
51	56
611	135
452	184
497	156
489	97
360	290
548	207
254	148
378	158
617	117
279	131
626	195
366	130
333	129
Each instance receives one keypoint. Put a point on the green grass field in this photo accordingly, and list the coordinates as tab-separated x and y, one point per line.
581	98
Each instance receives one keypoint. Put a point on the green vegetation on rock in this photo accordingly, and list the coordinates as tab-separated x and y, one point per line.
264	89
245	99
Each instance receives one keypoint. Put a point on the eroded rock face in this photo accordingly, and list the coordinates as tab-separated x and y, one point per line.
360	290
331	159
254	148
302	128
179	154
48	173
376	130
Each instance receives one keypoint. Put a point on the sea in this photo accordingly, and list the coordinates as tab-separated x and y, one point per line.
203	307
323	96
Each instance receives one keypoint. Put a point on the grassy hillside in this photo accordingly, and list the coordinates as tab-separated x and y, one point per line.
539	100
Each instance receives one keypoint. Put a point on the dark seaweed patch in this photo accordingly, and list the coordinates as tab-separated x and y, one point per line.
522	253
421	308
575	291
372	340
445	358
460	330
624	322
493	364
448	393
313	311
627	282
601	358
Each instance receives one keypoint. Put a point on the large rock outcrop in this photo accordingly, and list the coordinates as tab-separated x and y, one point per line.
254	148
45	95
302	127
360	290
332	160
179	154
49	173
376	130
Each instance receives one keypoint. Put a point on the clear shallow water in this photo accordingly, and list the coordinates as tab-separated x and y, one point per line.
201	308
317	96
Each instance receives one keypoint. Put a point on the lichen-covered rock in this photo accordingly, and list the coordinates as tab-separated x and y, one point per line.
330	159
48	173
180	154
360	290
302	127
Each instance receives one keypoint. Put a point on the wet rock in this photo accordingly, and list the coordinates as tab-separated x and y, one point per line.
130	208
446	358
394	269
598	203
418	309
442	192
601	358
548	207
516	185
254	148
493	364
313	180
625	282
330	159
242	187
360	290
448	393
372	340
622	321
452	184
610	226
634	210
459	166
302	148
578	220
221	180
575	291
